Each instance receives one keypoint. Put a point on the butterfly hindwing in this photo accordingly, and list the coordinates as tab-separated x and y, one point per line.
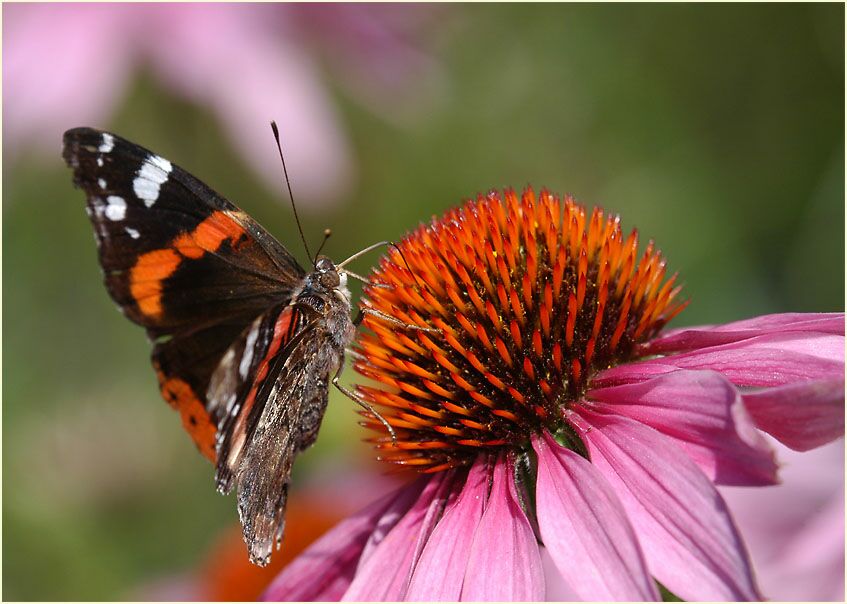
284	420
180	260
269	393
239	387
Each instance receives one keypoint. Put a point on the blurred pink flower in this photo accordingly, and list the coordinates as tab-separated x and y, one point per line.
67	65
795	530
544	436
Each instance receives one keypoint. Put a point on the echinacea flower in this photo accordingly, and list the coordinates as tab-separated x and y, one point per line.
549	416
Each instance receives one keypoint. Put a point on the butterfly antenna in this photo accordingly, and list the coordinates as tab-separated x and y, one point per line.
327	234
409	268
290	194
379	244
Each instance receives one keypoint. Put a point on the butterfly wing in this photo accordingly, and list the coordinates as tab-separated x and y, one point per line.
271	402
241	385
179	260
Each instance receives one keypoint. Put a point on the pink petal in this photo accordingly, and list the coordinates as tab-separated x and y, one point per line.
555	587
688	536
631	373
441	568
703	412
586	530
504	562
324	570
803	416
769	360
390	519
384	575
692	338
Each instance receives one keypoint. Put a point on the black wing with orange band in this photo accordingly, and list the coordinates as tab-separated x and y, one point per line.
180	260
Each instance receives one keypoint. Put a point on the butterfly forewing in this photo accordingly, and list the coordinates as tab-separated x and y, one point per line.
150	217
180	260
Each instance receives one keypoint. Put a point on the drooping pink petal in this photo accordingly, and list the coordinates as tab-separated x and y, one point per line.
688	536
384	574
556	588
440	571
504	562
803	415
769	360
703	412
692	338
388	520
586	530
324	570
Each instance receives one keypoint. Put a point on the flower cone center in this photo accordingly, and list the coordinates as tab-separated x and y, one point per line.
530	297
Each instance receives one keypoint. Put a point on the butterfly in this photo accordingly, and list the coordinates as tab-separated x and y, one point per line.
245	341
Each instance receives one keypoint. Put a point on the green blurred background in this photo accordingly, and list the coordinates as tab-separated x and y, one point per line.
717	130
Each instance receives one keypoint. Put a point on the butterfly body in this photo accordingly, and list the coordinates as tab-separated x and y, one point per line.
245	341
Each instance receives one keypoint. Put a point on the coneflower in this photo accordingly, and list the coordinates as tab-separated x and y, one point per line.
549	416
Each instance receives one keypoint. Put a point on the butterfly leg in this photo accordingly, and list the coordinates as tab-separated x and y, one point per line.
389	319
363	403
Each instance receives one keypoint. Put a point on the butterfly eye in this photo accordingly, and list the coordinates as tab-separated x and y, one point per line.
324	264
330	279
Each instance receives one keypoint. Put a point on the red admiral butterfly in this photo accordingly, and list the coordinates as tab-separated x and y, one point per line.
245	341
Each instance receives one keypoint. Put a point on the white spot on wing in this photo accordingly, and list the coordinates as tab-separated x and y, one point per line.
247	357
161	163
116	210
228	358
100	162
132	233
108	143
101	183
151	176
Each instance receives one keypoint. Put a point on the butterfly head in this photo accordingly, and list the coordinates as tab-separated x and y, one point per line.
327	281
327	274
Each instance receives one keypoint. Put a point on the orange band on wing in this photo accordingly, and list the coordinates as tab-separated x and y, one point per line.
145	279
152	268
195	420
208	236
